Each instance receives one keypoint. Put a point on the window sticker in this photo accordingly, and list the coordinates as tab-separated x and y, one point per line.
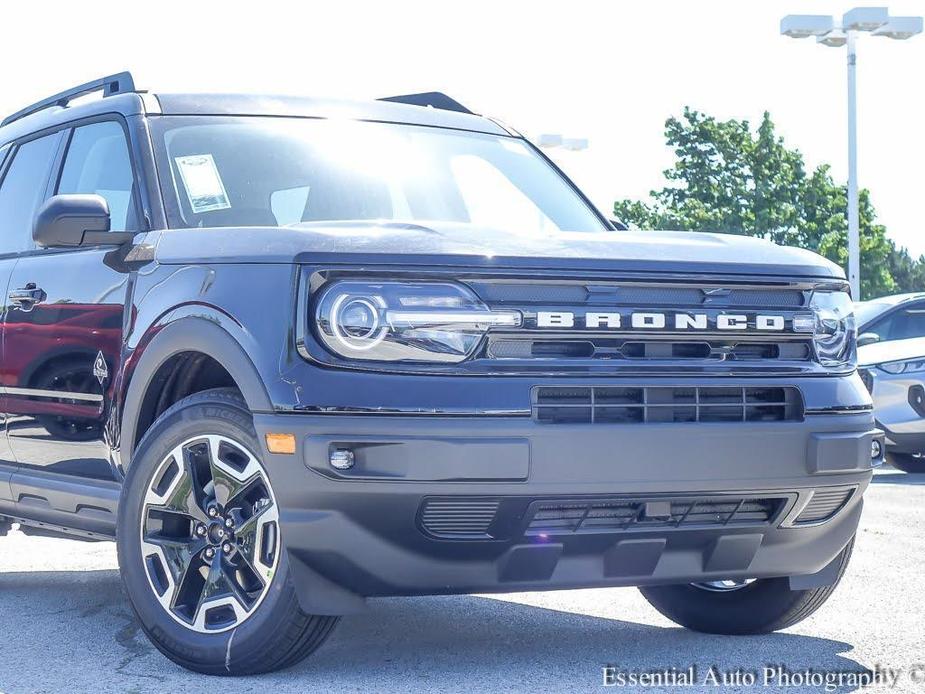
204	186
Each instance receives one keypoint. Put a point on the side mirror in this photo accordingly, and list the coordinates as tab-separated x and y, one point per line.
69	221
618	225
867	339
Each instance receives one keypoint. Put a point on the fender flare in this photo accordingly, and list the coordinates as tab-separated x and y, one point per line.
185	335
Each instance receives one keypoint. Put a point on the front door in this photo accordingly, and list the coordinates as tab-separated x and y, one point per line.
24	172
64	326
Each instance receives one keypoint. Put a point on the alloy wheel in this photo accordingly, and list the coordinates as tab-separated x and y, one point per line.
210	533
726	586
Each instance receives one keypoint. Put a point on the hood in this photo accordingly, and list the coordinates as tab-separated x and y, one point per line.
891	350
446	243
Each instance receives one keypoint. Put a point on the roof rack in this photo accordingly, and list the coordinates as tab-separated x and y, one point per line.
432	99
112	84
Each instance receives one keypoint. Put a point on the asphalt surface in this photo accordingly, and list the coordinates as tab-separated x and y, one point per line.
65	625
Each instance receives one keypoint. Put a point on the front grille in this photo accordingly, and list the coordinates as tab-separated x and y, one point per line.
824	504
688	335
657	404
459	518
608	515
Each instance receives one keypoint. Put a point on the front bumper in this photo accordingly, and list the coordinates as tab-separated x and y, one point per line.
364	531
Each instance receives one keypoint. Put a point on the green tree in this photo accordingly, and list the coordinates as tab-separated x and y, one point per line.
730	179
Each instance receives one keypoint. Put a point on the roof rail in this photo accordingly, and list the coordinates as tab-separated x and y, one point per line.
432	99
112	84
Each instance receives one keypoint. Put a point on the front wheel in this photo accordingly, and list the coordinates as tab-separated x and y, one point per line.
741	607
200	549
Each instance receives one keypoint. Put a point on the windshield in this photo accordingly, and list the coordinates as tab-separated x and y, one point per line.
246	171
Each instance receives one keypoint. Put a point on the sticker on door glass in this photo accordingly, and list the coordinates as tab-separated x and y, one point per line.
204	186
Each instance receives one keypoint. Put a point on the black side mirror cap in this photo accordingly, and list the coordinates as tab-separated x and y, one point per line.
71	221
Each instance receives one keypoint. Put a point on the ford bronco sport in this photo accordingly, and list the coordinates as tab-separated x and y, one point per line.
293	353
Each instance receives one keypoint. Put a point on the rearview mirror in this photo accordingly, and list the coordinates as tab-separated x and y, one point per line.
69	221
867	339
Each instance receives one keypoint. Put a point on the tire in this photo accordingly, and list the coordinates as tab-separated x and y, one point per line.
907	462
758	607
245	618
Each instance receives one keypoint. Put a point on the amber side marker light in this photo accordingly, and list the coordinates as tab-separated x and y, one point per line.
281	443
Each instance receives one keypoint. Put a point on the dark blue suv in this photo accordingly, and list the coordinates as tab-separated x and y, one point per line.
293	353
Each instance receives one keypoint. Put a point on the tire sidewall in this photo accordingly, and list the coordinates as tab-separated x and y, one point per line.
211	650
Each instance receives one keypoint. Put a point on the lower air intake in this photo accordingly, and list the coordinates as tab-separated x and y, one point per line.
465	518
645	404
608	515
824	504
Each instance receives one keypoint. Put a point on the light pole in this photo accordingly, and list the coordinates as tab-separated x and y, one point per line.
878	22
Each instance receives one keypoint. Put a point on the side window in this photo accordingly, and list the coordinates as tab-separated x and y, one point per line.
883	327
909	322
22	191
98	162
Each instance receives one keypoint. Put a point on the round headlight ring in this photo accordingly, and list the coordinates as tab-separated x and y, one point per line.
369	337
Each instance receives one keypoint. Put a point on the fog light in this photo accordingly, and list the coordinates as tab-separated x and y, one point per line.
341	459
876	449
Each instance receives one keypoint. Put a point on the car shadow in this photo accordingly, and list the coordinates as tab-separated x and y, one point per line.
83	623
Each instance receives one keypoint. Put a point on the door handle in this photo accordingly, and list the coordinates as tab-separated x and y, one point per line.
28	296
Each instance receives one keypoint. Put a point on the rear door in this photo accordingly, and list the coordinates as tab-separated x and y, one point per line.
24	175
64	325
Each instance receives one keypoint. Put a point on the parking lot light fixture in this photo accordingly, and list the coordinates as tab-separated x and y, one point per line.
878	22
900	28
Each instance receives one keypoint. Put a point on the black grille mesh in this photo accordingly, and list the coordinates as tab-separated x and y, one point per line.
596	347
649	404
635	295
824	504
466	517
564	517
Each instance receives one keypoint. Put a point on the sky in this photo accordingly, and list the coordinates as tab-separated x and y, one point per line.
607	70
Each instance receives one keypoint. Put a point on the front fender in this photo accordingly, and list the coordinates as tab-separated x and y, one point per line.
184	334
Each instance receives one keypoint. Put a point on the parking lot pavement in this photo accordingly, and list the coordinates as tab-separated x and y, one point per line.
66	626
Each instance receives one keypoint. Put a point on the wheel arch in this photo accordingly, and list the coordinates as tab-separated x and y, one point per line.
185	336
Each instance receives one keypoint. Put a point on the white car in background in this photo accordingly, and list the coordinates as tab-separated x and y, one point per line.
888	318
894	373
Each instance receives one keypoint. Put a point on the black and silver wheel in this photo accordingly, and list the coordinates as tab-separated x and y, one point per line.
210	533
200	547
744	606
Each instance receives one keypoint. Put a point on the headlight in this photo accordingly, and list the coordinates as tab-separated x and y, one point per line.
907	366
832	326
405	321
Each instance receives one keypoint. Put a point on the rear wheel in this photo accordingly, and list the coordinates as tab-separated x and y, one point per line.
743	606
200	548
907	462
